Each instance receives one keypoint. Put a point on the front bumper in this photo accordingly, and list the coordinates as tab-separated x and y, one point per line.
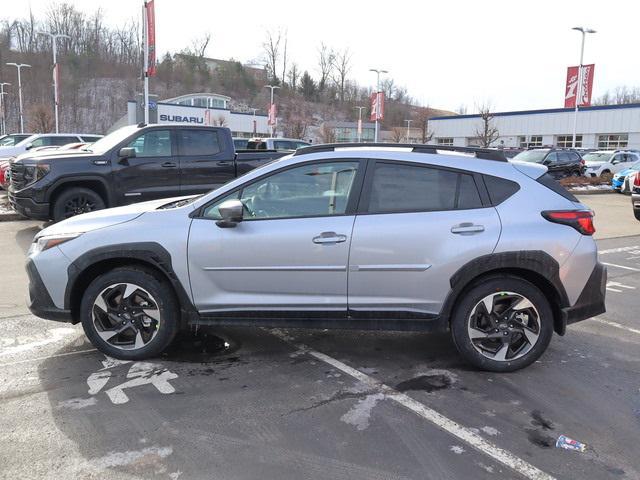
40	303
29	208
591	300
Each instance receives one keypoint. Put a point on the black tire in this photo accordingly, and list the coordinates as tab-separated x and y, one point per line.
576	173
161	293
491	285
636	213
74	201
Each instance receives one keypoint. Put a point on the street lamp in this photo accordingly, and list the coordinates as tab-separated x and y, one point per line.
19	66
3	125
359	123
255	125
54	38
408	129
275	120
378	72
584	32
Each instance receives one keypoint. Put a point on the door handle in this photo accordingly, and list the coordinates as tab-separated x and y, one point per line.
467	228
100	162
169	165
224	163
329	237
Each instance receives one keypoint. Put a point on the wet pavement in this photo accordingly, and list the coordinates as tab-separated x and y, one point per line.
242	403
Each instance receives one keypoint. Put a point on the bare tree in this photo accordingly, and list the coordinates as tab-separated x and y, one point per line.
199	45
297	115
221	121
342	64
293	76
326	58
398	134
327	134
619	95
423	115
487	133
40	119
284	57
462	109
271	50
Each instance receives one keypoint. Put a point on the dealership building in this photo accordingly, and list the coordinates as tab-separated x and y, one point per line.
601	127
198	109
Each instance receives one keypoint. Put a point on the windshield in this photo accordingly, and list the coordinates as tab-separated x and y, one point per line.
596	157
11	140
532	156
107	143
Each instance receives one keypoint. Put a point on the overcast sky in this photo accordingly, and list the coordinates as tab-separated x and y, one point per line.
512	54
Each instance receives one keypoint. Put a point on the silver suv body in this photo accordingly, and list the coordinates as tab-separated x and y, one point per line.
348	237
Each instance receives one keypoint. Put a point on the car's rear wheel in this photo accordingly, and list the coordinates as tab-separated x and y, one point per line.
502	324
130	313
74	201
636	213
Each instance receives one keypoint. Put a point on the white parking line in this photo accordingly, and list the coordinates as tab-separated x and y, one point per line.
450	426
621	266
616	325
618	250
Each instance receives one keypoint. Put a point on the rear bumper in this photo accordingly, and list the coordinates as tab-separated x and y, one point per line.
635	200
591	300
40	303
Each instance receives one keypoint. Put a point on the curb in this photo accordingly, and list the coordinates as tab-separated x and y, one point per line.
593	192
11	217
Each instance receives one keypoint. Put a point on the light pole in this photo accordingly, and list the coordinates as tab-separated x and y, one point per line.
54	38
255	124
378	72
19	66
584	32
271	106
3	124
408	129
359	123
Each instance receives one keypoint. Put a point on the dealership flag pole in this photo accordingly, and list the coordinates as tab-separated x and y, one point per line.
584	32
145	39
3	124
359	123
378	100
55	71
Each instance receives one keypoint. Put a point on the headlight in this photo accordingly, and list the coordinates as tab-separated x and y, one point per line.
33	173
48	241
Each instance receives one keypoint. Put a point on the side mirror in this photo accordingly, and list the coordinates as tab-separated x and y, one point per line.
546	162
28	146
231	213
127	152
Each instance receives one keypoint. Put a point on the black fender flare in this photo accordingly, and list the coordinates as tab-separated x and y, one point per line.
541	268
151	253
72	180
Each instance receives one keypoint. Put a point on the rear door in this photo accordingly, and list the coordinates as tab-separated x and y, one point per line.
153	173
204	162
416	225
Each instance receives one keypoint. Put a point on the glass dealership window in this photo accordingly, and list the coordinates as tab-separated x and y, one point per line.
612	141
566	141
447	141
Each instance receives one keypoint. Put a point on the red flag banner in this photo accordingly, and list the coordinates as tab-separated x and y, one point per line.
272	114
377	106
571	87
151	38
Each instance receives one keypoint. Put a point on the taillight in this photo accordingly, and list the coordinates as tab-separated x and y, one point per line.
636	179
582	161
581	220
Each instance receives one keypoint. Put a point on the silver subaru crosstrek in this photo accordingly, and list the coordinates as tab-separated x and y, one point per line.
418	238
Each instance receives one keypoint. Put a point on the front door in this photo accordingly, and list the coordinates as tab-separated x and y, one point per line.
290	252
154	171
416	226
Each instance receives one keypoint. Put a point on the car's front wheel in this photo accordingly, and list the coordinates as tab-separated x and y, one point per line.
74	201
502	324
130	313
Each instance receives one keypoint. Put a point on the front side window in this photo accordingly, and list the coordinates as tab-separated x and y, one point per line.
318	189
198	142
156	143
406	188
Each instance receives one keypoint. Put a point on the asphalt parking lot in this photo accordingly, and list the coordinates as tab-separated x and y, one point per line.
251	403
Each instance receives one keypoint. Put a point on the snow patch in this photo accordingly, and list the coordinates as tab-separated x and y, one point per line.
457	449
77	403
119	459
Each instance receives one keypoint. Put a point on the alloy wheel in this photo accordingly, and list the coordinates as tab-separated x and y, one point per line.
77	205
126	316
504	326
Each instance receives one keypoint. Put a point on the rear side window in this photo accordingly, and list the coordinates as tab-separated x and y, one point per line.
198	142
499	189
549	182
407	188
63	140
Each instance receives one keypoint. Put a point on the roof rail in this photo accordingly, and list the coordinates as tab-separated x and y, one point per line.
482	153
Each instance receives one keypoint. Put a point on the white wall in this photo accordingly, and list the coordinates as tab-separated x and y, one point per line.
236	122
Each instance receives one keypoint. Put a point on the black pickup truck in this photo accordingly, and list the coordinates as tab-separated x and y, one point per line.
132	164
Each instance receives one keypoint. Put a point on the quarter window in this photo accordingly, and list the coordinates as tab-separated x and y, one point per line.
198	142
407	188
156	143
318	189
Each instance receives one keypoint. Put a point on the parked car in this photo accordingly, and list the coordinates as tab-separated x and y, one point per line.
634	181
620	181
13	138
606	162
276	144
560	162
44	140
496	252
132	164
